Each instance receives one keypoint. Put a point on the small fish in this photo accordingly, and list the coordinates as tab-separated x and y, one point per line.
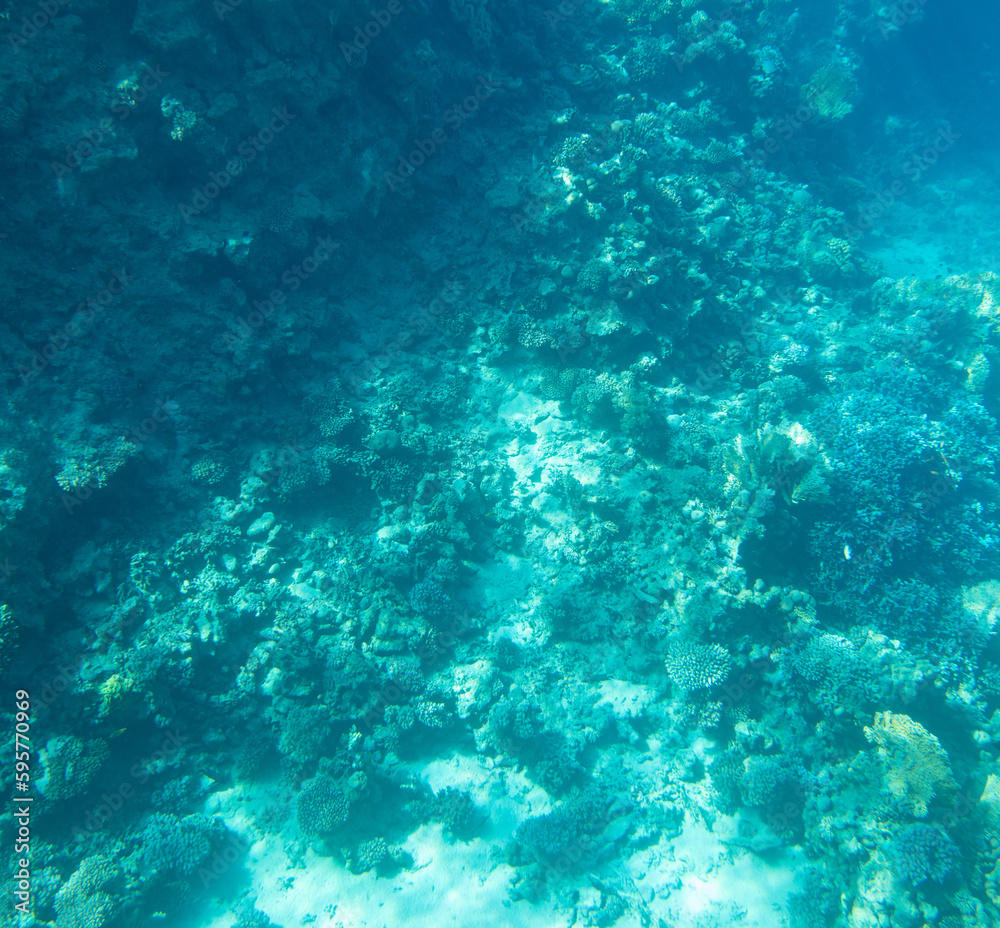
538	154
848	554
115	734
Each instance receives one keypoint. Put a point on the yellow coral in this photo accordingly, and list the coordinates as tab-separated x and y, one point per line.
841	252
182	119
982	602
96	465
117	688
978	369
828	90
989	803
979	293
210	472
915	765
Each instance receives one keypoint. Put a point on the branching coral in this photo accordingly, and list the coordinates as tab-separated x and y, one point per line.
322	806
838	673
695	666
922	852
69	766
95	466
179	844
84	901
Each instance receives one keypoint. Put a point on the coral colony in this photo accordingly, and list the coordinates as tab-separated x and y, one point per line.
500	463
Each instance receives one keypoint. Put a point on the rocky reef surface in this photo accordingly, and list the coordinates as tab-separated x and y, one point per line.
488	462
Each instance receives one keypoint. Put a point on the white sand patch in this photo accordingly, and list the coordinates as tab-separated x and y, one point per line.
504	588
627	700
941	227
508	795
525	409
559	445
450	883
904	257
695	878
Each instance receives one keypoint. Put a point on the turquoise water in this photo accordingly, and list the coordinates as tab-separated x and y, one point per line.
491	463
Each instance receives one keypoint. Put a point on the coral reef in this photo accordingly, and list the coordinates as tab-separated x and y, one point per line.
537	461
